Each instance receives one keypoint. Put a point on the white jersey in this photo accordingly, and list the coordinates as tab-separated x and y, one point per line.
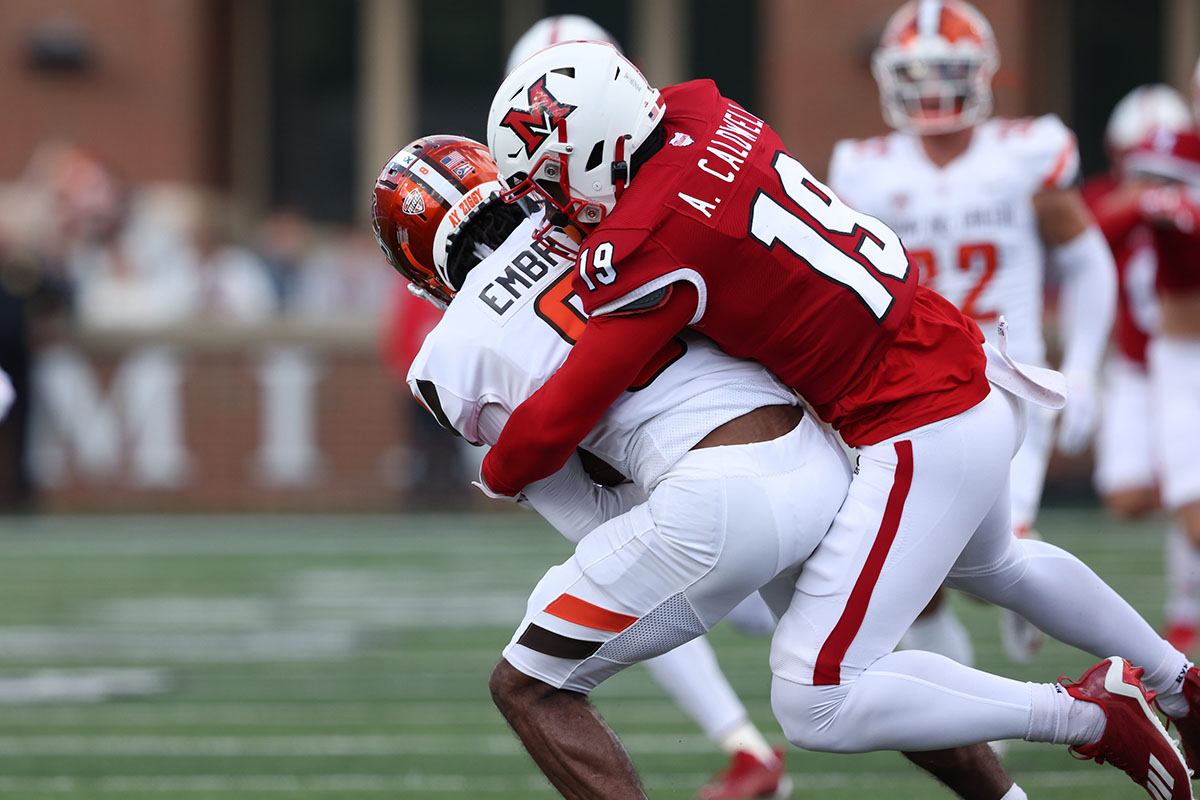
512	325
970	226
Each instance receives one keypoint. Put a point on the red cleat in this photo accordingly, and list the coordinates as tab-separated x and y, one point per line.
1134	739
1189	726
1181	637
747	777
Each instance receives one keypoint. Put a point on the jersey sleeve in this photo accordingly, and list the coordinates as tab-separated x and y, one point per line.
439	380
1048	149
626	270
544	431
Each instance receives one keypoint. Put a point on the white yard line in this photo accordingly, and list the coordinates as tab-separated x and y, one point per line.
476	784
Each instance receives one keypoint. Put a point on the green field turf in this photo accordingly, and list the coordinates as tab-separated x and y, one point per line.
344	657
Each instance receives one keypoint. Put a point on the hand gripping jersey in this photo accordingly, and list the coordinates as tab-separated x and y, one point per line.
970	225
787	274
512	325
1137	265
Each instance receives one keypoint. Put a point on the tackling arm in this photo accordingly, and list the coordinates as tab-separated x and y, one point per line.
569	499
544	431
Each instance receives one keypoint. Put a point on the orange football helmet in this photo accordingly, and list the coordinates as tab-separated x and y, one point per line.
934	67
423	199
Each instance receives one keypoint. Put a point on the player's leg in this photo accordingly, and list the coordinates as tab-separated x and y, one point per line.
939	630
1126	472
691	675
651	580
1022	639
1182	610
838	686
752	616
911	508
1175	393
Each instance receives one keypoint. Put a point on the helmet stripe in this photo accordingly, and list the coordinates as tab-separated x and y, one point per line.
446	173
424	173
929	17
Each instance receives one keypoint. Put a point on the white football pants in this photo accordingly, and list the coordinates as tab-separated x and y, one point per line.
721	523
925	507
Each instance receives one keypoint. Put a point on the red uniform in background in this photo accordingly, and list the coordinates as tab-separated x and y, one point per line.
407	321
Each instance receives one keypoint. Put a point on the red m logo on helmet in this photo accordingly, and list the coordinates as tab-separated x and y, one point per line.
535	125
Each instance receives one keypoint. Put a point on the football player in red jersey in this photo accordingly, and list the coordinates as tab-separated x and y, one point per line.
694	214
1127	471
1173	354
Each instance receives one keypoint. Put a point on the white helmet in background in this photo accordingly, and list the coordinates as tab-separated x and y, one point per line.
553	30
1147	108
934	67
564	124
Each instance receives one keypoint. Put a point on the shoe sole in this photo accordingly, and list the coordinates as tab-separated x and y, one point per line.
1114	683
784	789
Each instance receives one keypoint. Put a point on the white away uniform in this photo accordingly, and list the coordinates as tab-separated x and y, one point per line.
710	526
972	229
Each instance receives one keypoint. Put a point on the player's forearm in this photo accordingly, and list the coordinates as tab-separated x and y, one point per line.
574	505
1087	300
544	431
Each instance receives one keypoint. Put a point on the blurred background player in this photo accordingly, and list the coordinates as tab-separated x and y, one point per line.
1173	354
1127	469
552	30
982	205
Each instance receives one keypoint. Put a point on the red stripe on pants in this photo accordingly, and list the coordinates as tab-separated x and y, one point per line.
828	671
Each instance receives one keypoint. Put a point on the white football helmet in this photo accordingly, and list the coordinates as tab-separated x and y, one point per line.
552	30
1145	109
934	67
564	124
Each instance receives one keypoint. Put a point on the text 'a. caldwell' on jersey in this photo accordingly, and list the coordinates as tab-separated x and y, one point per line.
969	225
823	296
513	323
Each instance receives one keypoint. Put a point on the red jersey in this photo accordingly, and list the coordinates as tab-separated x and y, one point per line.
1133	252
824	297
723	230
1174	211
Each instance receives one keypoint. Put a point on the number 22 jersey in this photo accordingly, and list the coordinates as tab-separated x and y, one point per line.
970	225
787	274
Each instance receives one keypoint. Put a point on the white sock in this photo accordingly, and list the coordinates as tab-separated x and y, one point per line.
1165	679
1057	717
1183	576
747	737
1015	793
941	632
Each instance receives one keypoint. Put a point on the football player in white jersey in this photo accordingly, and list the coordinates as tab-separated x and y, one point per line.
983	204
733	484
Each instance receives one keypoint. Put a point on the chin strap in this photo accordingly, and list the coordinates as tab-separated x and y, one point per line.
423	294
620	167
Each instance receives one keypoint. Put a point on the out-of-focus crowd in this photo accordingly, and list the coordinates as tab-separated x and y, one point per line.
121	257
